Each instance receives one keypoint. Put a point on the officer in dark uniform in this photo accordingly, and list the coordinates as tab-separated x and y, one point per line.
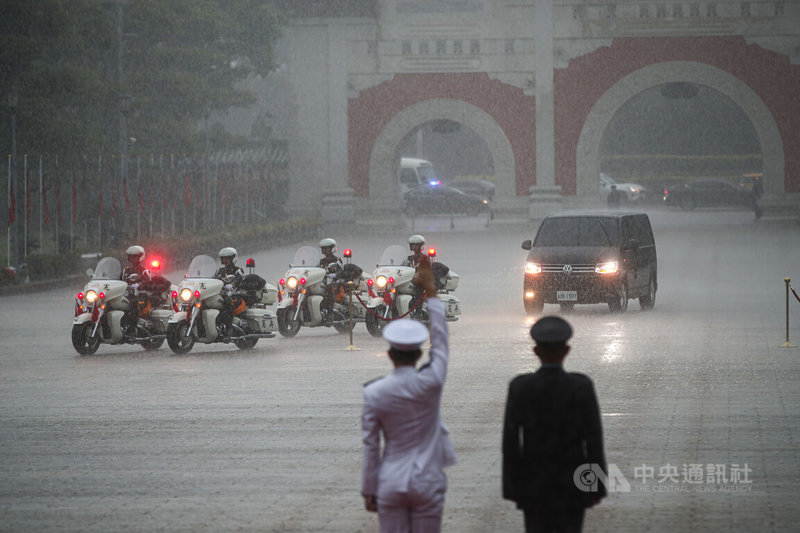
136	264
332	265
228	256
551	430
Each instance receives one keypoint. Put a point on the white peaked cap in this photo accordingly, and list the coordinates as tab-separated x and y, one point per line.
405	334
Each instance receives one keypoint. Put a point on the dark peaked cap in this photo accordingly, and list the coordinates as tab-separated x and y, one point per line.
551	330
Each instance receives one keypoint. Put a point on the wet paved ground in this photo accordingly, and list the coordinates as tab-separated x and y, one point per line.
268	440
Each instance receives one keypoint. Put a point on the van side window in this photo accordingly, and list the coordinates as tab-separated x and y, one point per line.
408	176
644	233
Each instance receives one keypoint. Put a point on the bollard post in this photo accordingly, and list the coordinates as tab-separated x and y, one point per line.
350	286
787	344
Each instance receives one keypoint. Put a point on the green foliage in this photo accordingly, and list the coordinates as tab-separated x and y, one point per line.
52	266
180	61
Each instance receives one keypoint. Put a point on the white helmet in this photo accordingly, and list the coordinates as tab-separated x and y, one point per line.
324	243
229	252
416	239
135	250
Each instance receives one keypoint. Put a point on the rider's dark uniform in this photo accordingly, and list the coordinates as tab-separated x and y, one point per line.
413	259
332	265
139	269
225	317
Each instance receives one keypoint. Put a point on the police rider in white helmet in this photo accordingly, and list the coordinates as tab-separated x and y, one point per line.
415	243
136	264
332	265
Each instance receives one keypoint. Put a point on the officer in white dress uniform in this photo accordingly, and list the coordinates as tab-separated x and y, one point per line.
406	483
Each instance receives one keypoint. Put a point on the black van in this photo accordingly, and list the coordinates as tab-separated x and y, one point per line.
587	258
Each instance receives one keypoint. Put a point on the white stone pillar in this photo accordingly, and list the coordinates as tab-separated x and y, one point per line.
545	196
338	198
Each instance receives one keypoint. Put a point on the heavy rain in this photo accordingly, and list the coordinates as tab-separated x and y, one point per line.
194	398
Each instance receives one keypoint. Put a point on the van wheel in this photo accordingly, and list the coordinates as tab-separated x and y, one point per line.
687	203
620	303
533	307
647	301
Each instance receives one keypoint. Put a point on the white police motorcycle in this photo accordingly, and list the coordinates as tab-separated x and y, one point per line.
201	298
394	294
110	310
303	288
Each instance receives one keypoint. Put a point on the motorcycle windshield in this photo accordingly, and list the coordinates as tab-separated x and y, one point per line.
202	266
306	256
393	255
108	268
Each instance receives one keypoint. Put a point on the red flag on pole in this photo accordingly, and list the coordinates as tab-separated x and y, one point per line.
27	200
44	205
187	190
74	200
141	198
12	204
125	193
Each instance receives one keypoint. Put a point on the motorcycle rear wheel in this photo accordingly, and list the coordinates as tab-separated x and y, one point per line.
286	325
177	339
82	339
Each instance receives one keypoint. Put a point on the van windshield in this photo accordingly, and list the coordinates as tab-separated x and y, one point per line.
578	231
427	173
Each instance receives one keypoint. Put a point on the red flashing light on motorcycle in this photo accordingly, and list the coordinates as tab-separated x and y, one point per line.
370	282
302	281
348	252
282	282
102	295
251	263
175	294
431	252
391	280
155	263
80	296
197	294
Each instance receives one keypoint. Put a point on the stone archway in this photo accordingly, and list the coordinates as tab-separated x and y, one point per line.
588	150
383	159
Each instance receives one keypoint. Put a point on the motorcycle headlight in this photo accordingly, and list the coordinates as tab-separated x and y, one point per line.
607	268
186	295
291	282
91	296
533	268
380	281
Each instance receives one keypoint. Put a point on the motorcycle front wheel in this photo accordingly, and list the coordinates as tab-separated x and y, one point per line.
177	339
374	324
82	339
287	326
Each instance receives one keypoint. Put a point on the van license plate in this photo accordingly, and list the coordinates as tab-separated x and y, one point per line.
567	296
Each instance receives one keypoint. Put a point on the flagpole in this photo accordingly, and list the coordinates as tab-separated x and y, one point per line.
100	194
9	212
41	209
58	205
138	197
27	202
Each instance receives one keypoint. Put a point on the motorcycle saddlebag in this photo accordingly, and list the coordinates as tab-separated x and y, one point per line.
440	271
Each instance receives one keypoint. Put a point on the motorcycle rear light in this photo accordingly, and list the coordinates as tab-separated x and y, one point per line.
80	296
102	295
197	294
432	252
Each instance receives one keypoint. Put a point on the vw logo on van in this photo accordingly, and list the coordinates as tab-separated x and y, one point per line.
567	269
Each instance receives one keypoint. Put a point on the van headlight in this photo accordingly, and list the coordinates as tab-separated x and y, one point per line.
533	268
607	268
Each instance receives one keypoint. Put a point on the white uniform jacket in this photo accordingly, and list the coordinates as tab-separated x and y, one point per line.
404	406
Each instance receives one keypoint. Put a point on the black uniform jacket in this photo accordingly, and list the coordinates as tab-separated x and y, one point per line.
552	426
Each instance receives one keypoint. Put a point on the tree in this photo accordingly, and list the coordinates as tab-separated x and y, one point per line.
181	61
